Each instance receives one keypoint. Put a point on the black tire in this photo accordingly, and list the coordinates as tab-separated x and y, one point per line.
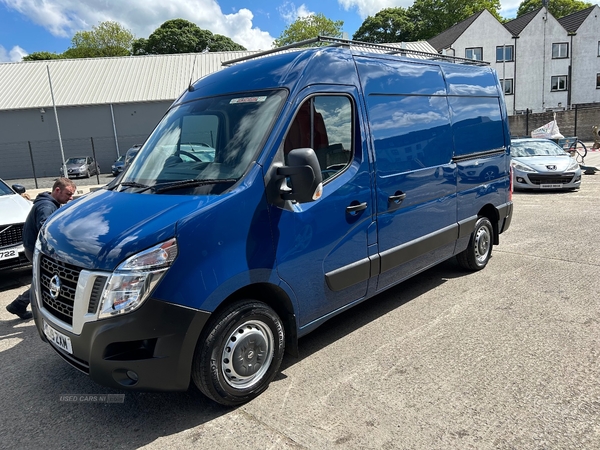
479	251
239	354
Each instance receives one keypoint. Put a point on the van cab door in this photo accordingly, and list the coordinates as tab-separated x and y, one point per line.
321	246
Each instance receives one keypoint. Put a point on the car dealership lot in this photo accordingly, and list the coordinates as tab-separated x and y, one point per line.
503	358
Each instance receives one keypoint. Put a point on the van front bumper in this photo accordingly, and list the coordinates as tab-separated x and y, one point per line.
150	349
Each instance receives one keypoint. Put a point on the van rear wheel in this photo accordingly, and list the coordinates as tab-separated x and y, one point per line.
240	353
479	251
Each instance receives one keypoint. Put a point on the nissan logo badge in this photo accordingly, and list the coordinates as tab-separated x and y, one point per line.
54	287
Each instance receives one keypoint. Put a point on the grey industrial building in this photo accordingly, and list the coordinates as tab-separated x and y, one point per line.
103	105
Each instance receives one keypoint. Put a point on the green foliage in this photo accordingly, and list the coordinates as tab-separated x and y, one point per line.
558	8
388	25
107	39
431	17
309	27
182	36
41	56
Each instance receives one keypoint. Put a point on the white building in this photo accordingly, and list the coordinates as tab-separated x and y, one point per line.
544	64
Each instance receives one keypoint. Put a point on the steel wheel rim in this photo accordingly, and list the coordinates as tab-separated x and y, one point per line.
482	244
247	354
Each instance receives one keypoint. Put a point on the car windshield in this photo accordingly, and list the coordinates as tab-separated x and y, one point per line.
75	161
4	189
205	145
536	148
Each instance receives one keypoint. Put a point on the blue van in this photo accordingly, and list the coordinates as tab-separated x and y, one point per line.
273	195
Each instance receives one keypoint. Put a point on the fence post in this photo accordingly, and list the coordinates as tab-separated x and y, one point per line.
527	122
575	126
95	161
32	164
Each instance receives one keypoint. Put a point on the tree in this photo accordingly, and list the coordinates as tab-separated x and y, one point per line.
107	39
41	56
431	17
182	36
558	8
388	25
309	27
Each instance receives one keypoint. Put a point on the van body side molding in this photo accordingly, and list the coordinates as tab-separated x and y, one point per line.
397	256
357	272
466	226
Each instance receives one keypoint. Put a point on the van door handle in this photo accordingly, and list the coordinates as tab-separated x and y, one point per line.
353	209
397	198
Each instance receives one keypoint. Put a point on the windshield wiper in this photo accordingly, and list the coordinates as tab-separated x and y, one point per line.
135	185
190	183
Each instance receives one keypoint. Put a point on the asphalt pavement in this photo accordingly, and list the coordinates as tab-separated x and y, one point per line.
504	358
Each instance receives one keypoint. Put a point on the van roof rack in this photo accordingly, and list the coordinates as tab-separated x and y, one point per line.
375	48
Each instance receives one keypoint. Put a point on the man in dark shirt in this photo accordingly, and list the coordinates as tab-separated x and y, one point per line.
43	206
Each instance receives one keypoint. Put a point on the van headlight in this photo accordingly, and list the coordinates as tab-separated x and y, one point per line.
133	281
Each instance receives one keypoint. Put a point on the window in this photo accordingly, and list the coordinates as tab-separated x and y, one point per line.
560	50
559	83
598	48
504	53
598	81
507	86
474	53
324	124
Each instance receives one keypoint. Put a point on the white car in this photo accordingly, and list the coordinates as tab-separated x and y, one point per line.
13	212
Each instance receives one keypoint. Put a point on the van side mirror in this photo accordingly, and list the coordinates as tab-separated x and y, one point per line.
304	174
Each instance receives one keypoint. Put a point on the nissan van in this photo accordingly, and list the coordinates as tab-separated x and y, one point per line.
273	195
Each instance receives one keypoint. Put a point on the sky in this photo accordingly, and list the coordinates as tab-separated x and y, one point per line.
28	26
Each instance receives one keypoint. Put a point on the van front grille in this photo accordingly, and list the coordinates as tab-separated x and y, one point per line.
53	274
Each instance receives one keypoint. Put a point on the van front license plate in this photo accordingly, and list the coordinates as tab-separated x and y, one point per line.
9	254
550	186
59	339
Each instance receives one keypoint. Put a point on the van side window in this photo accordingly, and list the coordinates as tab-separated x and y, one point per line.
324	123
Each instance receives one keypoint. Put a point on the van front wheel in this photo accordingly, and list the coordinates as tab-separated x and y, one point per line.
479	251
239	353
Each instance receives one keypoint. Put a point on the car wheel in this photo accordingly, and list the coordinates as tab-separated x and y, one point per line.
239	353
479	251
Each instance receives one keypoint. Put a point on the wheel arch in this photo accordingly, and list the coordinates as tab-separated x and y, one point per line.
276	298
491	212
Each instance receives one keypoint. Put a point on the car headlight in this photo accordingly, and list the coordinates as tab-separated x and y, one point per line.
133	281
573	165
82	168
521	167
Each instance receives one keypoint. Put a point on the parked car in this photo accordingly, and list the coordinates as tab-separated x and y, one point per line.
80	166
543	164
117	166
13	212
130	154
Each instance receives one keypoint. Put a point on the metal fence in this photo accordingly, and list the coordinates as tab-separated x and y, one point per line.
43	158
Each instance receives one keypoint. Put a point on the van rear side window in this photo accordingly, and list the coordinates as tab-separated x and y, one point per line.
324	123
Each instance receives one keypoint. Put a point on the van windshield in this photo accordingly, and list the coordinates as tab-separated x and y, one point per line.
204	146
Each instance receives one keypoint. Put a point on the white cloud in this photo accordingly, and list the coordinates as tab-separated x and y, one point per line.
289	12
65	17
14	55
371	7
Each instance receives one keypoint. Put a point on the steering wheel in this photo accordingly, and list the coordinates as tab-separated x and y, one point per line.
190	155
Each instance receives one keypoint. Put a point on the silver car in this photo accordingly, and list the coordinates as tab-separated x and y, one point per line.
81	166
542	164
14	208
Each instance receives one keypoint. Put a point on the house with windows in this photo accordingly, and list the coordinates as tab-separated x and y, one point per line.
544	64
